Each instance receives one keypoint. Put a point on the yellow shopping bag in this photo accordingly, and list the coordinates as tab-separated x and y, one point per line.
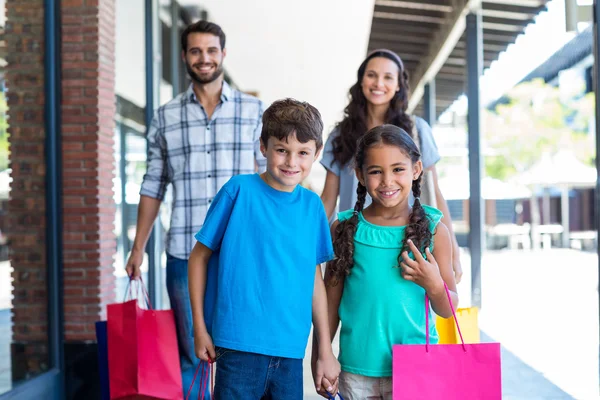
467	318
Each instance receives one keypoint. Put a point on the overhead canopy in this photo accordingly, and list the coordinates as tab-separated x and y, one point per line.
560	169
430	38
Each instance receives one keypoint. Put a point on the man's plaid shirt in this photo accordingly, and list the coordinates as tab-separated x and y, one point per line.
198	156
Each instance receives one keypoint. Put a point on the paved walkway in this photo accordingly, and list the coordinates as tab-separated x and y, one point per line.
541	305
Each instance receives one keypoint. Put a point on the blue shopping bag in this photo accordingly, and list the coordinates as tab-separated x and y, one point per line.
101	337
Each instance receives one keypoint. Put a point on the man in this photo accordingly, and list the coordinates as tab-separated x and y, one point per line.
196	142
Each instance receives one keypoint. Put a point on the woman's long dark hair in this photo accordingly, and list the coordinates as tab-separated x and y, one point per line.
354	124
417	229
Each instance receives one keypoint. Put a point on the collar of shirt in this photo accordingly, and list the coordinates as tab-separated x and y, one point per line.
226	93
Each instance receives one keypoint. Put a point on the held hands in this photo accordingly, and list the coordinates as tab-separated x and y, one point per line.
423	272
326	374
204	347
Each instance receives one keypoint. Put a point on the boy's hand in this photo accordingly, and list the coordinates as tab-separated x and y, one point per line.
326	375
424	273
205	350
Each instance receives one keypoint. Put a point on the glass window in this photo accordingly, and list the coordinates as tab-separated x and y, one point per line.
23	289
130	140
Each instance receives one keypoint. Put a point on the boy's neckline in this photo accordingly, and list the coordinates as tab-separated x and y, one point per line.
273	190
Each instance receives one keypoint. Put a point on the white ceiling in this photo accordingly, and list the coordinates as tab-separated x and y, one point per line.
309	49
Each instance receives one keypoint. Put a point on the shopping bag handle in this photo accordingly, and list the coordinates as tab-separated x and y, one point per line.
140	286
204	378
427	310
332	397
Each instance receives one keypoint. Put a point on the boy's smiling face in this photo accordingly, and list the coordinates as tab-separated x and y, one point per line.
288	161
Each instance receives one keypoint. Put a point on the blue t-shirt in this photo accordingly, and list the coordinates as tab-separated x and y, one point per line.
268	244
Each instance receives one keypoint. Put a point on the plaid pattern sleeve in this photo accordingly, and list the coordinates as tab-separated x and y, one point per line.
157	175
198	155
261	161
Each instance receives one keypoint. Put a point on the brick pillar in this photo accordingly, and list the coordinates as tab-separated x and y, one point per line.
88	112
24	39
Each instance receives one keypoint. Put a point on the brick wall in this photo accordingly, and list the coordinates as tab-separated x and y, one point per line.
26	208
88	112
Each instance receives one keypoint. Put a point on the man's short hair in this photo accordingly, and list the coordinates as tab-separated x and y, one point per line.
202	27
288	117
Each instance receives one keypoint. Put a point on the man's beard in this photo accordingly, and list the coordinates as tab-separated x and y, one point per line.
198	79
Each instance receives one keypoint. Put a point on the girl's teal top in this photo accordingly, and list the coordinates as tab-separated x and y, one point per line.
379	308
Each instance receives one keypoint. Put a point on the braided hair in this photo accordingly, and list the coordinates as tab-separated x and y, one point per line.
417	229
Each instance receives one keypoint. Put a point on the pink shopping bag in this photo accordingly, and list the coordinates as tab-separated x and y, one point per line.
448	371
143	357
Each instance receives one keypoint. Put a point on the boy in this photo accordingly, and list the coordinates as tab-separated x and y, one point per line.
267	233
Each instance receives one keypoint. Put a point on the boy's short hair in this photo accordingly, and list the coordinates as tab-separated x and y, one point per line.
202	27
287	117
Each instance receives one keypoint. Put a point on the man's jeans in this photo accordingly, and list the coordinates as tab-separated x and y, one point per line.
250	376
179	296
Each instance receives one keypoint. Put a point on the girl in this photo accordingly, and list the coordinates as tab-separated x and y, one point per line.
380	96
384	264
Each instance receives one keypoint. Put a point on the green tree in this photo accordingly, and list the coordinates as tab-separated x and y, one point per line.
535	120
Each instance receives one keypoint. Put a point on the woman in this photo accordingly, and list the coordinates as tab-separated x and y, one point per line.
380	96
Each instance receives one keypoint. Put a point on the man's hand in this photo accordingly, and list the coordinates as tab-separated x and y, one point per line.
204	347
326	374
133	264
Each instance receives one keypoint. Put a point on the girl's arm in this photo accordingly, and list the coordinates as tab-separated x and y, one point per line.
327	367
331	190
334	293
442	205
431	272
334	297
442	256
332	316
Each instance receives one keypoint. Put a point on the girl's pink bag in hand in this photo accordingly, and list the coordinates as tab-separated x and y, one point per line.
446	371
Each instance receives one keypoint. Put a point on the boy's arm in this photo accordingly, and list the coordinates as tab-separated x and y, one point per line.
197	269
327	366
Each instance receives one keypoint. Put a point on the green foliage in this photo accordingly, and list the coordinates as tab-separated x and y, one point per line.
537	119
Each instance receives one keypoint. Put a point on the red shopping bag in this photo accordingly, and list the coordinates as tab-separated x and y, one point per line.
448	371
143	357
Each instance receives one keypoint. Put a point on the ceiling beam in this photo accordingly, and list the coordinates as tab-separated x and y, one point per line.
414	5
442	45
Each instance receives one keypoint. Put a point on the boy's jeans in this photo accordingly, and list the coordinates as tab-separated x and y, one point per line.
250	376
179	296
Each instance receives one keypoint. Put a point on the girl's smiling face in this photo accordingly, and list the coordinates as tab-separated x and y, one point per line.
388	174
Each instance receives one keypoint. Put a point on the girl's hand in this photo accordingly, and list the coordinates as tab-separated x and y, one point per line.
203	346
423	272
